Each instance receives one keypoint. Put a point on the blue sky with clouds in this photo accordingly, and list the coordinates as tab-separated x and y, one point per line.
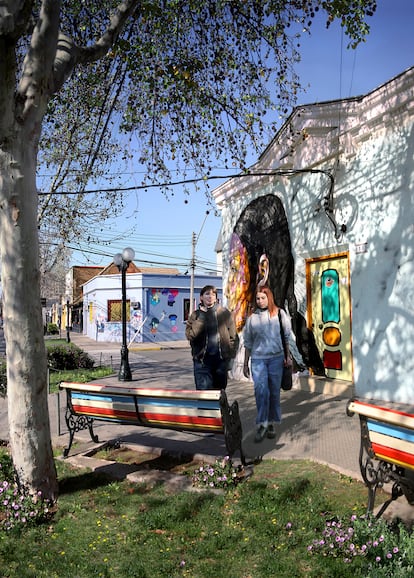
160	230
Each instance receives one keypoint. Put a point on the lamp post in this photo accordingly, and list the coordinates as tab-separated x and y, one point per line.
122	260
67	321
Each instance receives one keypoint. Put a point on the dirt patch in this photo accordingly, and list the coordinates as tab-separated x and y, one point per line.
179	463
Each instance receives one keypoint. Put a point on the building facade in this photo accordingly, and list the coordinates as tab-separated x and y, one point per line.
326	215
158	304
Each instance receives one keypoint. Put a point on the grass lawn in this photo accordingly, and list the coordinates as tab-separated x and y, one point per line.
76	375
261	528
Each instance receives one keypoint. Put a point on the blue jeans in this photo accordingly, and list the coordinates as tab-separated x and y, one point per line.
211	372
267	377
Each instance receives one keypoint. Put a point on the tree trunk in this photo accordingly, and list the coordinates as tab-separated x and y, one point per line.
27	387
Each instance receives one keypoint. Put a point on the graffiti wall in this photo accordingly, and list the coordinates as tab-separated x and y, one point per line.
155	311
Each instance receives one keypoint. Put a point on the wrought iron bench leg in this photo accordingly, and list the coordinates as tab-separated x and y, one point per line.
77	423
396	492
233	432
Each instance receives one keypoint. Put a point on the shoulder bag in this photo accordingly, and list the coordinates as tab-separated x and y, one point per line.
286	384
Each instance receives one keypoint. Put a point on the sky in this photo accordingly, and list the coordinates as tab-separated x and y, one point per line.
160	230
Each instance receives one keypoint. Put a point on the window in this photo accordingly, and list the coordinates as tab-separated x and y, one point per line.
186	309
115	310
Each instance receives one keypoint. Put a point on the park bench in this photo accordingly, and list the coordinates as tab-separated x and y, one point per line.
387	449
176	409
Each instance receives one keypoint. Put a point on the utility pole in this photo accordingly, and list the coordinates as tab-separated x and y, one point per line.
194	242
192	266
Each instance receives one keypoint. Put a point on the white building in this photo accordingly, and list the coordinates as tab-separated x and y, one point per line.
330	204
157	304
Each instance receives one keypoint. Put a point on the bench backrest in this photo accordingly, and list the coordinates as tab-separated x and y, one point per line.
166	408
391	432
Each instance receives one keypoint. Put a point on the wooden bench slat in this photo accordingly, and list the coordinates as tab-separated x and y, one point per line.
140	391
393	455
180	422
399	433
381	413
149	414
106	412
392	442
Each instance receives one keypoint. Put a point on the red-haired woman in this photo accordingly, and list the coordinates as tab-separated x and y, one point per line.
264	348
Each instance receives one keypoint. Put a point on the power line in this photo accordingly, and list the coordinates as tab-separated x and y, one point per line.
249	173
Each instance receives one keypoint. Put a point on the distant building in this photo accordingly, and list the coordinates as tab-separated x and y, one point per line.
76	277
330	203
158	302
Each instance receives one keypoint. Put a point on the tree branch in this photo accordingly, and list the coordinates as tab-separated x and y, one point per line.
38	62
117	22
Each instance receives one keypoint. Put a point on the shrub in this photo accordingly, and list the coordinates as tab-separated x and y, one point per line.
52	329
68	356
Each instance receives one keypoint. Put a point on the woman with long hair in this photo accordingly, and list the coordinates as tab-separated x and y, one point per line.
264	349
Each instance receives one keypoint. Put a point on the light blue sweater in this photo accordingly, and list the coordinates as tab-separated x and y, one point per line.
261	334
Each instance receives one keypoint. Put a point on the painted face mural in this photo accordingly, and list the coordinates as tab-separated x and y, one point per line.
261	254
238	283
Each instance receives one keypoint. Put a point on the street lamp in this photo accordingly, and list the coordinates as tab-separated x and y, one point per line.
122	260
67	321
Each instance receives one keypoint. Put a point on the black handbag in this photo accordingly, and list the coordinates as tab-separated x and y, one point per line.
287	382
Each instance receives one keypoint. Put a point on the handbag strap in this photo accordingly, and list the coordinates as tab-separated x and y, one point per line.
282	335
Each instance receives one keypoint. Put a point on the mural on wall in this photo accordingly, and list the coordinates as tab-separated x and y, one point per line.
100	322
154	325
171	296
136	321
238	291
158	299
155	296
173	322
261	252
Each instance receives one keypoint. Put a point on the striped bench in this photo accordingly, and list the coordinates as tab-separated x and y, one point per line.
175	409
387	450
